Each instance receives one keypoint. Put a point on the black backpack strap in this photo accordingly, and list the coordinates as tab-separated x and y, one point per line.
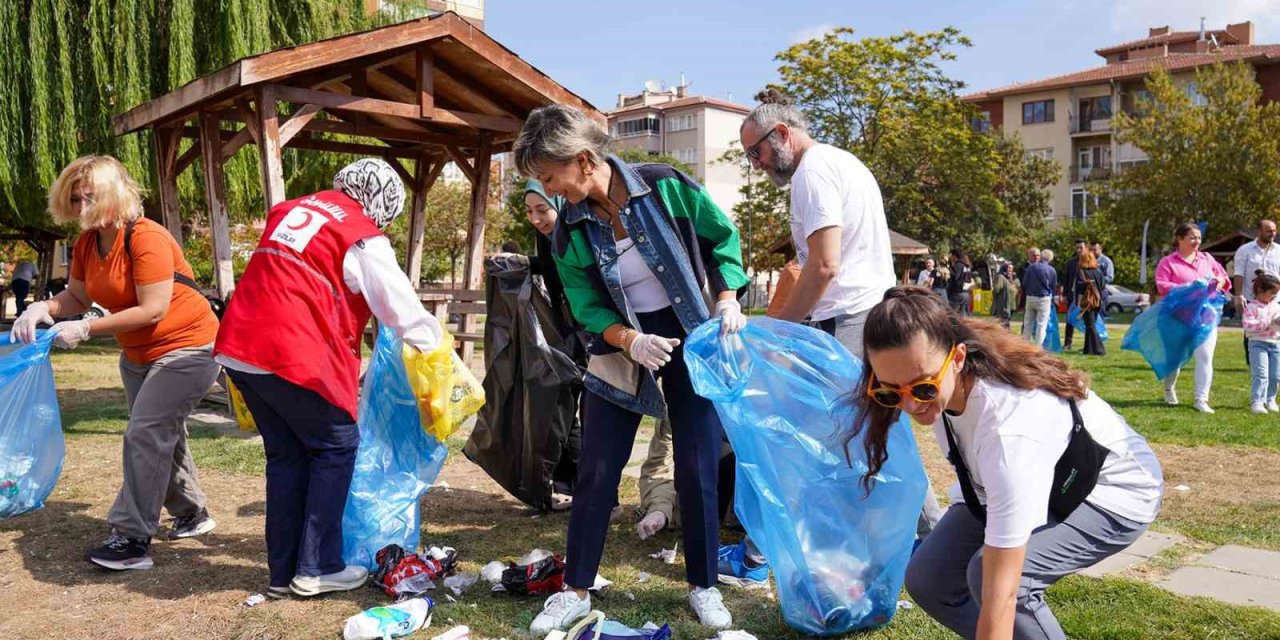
971	502
128	251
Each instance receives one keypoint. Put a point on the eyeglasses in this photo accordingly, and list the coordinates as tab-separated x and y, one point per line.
924	391
753	151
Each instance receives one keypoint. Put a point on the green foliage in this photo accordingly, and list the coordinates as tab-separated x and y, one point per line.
889	102
1219	162
636	156
763	216
516	227
69	66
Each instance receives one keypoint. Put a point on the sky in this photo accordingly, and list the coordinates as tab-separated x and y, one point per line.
600	48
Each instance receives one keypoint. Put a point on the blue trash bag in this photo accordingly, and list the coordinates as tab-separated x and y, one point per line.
31	445
783	392
1170	331
1076	319
1052	335
396	463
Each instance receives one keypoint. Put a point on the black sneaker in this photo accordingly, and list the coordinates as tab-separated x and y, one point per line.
191	526
120	553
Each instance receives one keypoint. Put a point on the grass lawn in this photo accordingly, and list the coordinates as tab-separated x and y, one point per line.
1229	460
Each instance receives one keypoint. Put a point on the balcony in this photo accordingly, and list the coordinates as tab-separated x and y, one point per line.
1089	174
1090	125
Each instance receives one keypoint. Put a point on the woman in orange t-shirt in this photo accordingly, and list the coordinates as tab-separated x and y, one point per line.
134	268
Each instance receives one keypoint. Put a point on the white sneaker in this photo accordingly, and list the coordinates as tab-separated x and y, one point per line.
1203	406
1170	396
560	611
1258	407
351	578
1272	406
709	606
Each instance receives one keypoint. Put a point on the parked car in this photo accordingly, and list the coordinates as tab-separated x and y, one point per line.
1120	299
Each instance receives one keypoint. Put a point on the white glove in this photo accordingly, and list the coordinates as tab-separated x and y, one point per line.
652	351
70	333
651	524
24	328
731	318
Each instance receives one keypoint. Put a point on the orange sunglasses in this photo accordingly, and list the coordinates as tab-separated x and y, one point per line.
925	390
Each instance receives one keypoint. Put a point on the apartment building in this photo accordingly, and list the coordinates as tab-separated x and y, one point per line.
1067	118
695	130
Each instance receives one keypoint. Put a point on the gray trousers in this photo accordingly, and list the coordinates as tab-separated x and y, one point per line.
847	330
944	576
1035	320
158	469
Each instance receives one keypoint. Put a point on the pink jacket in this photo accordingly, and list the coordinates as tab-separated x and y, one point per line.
1173	271
1260	320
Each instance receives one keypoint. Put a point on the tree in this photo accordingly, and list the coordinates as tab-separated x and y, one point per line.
636	156
1217	161
69	66
445	238
889	102
763	216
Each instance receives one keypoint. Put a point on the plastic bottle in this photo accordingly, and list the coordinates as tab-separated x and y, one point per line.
395	621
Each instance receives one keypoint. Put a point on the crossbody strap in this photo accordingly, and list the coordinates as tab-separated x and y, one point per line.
128	250
971	502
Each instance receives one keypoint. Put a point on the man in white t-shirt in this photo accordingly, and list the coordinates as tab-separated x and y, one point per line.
838	227
1262	253
925	277
838	224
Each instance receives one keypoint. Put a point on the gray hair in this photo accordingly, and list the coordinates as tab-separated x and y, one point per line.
557	133
776	108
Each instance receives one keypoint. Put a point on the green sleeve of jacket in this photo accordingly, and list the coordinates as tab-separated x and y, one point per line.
718	239
589	306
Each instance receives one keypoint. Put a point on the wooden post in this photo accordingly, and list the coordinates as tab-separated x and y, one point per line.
417	220
473	271
272	166
426	82
215	192
166	142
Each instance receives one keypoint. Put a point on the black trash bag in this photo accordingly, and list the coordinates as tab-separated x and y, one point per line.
526	434
544	577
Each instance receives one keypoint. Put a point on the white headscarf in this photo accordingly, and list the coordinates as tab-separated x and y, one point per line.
376	186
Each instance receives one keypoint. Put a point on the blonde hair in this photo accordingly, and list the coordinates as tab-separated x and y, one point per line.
117	199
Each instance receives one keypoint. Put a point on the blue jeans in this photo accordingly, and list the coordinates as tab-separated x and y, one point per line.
311	454
1264	364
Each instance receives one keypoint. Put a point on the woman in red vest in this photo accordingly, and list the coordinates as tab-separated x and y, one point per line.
290	341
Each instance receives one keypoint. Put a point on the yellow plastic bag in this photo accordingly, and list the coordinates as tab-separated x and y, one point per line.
447	392
244	419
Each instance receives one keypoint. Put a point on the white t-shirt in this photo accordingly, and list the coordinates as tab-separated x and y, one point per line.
1249	258
1011	439
832	188
642	288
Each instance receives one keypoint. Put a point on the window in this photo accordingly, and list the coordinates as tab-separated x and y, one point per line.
1193	92
66	253
682	123
687	156
1044	154
1037	112
982	122
639	126
1083	204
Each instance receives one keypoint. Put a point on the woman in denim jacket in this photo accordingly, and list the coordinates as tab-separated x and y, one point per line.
636	248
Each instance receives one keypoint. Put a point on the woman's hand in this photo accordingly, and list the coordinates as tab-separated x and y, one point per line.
730	314
24	328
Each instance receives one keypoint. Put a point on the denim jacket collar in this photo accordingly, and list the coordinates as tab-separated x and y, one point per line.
636	187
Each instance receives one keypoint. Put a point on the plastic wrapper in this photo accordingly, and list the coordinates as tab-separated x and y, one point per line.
783	394
244	419
447	392
543	576
1076	319
396	463
1167	334
1052	334
402	574
31	445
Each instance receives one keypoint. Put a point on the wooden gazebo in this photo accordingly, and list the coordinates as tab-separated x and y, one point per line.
428	91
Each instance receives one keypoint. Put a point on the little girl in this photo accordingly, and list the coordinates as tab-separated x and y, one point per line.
1262	328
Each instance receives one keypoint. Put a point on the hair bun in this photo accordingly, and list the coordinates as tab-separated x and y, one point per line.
773	96
1258	272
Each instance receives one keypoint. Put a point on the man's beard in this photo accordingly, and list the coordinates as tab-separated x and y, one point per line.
784	164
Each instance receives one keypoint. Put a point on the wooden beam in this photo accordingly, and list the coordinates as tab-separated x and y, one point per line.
473	271
178	100
215	190
437	167
297	121
286	62
374	106
398	134
470	95
166	146
404	174
460	159
418	219
250	119
304	141
269	147
187	158
426	87
233	144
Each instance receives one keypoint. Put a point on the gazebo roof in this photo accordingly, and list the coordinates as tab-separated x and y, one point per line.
473	85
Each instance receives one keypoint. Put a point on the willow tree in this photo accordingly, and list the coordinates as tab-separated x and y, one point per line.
69	66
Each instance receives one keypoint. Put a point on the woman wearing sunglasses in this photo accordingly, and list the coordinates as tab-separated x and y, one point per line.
1006	413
